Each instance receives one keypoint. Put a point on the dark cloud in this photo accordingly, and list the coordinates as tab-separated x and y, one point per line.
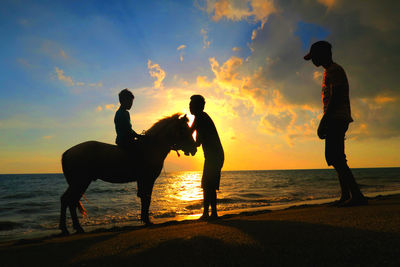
366	38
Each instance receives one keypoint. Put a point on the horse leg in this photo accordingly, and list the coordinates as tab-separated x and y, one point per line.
64	204
77	193
145	197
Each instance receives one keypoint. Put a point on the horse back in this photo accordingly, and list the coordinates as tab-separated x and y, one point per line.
98	160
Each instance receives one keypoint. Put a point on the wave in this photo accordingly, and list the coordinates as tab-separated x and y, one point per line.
170	214
251	195
8	225
18	196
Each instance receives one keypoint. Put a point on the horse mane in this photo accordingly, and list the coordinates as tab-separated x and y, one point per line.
160	125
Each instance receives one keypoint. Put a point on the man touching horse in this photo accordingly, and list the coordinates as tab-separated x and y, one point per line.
207	136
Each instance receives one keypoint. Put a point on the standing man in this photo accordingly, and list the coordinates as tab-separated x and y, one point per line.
207	136
335	121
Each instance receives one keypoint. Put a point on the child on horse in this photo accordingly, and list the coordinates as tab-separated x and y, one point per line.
125	134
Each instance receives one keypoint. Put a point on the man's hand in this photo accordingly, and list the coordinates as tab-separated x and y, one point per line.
323	128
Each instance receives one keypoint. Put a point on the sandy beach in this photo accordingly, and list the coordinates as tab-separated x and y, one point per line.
316	235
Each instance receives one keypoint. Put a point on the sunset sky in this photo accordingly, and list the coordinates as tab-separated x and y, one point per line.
64	62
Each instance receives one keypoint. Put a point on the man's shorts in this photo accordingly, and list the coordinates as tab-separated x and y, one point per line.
211	174
334	142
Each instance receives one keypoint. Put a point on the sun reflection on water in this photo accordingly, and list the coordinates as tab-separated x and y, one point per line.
186	187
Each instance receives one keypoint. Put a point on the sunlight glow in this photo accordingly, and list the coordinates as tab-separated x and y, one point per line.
186	187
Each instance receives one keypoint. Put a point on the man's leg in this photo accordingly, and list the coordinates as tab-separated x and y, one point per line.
349	182
213	201
344	188
206	203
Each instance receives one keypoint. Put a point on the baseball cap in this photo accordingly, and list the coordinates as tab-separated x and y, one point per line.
318	47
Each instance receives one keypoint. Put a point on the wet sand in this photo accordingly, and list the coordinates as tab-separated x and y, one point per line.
316	235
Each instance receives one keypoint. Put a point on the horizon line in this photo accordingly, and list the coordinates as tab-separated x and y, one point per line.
328	168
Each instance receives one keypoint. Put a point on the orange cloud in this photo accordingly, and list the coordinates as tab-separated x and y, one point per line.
206	42
328	3
381	99
257	10
181	47
156	72
62	77
202	82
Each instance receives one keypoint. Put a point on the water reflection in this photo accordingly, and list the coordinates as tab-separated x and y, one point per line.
185	186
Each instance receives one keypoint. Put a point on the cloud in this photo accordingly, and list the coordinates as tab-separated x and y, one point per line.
328	3
317	76
253	10
274	82
180	49
206	42
99	84
69	81
202	81
156	72
63	54
110	107
26	64
66	79
236	49
47	137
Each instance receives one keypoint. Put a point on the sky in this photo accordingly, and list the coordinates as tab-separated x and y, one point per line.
63	64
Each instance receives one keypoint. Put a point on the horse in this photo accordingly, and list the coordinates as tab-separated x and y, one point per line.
92	160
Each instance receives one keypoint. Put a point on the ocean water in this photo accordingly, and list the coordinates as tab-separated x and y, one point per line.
30	203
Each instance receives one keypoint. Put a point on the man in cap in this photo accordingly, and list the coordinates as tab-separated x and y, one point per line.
335	121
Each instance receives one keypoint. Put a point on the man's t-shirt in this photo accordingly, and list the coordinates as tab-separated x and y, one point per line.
123	127
207	135
335	79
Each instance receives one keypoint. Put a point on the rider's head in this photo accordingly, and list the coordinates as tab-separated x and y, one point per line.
126	98
197	103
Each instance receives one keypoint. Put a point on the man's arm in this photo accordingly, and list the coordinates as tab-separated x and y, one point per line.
194	128
128	126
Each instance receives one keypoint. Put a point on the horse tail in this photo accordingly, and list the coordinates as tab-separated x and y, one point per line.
81	208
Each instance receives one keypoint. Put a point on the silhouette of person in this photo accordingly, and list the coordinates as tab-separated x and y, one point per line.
125	134
335	121
207	136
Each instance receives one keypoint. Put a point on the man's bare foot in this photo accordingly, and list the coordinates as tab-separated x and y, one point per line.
339	202
204	217
214	216
361	201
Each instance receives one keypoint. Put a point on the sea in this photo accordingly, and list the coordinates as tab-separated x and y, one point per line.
30	203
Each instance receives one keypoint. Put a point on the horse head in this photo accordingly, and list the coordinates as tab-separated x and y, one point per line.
183	138
174	131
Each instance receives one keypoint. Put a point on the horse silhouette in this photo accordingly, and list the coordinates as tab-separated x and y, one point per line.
143	163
